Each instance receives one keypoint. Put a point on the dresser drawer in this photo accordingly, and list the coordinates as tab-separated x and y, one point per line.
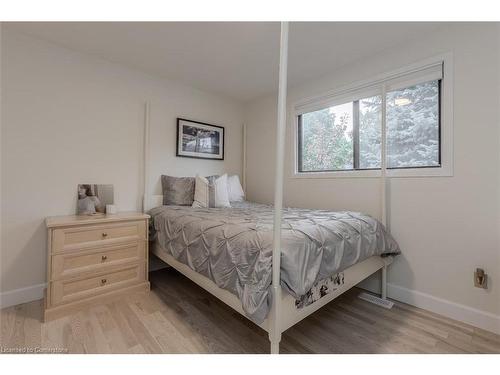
64	291
73	263
74	238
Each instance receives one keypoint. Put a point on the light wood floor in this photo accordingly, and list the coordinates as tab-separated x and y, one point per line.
180	317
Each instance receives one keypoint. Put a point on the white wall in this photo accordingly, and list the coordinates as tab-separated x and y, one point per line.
446	226
1	131
70	118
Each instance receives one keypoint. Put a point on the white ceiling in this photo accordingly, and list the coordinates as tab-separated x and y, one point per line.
237	59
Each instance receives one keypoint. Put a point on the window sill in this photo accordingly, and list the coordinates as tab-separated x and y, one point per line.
391	173
337	174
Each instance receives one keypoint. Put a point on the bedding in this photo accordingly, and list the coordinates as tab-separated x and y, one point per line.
233	247
177	191
234	189
211	192
320	289
201	192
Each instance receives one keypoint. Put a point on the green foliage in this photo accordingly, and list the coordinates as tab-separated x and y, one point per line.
412	129
370	123
326	143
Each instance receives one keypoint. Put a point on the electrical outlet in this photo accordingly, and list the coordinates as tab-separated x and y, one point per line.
480	279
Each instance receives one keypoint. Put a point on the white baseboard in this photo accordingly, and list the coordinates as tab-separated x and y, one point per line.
477	318
22	295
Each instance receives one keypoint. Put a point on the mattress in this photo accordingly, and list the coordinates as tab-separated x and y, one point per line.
233	247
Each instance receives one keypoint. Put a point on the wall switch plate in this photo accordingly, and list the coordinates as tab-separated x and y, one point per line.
480	279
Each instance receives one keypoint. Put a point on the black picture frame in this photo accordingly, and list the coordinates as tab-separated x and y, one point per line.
186	128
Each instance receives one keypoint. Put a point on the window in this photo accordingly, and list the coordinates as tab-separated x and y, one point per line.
413	126
341	137
346	134
327	139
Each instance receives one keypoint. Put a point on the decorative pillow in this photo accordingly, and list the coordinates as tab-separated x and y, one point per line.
177	191
220	192
201	192
234	189
212	178
211	192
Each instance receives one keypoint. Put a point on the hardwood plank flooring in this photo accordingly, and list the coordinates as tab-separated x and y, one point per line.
177	316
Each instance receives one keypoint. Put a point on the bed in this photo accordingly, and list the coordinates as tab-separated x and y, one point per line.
228	251
275	267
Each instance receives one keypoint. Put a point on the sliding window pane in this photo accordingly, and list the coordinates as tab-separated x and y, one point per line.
326	139
413	126
370	124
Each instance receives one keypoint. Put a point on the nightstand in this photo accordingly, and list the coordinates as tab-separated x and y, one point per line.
93	258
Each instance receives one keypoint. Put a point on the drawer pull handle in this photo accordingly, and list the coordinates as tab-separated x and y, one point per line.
103	281
104	257
104	234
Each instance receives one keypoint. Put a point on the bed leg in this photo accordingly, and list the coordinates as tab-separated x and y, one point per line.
384	283
275	344
274	321
382	300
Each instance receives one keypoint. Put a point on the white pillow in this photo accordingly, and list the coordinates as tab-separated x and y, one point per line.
220	192
208	194
234	189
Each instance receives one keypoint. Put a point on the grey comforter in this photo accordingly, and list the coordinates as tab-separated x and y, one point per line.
233	246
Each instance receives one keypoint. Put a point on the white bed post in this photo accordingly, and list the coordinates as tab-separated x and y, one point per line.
244	157
275	323
384	200
145	197
384	208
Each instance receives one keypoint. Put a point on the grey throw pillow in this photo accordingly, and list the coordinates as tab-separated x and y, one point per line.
177	191
211	179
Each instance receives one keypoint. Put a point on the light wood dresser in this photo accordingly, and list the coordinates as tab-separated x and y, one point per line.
93	258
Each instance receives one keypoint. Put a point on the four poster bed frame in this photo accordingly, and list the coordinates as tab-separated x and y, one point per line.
283	314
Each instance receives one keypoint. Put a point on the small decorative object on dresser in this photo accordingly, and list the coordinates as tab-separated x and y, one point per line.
93	199
91	259
199	140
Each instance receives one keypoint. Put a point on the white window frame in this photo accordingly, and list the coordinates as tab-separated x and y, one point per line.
377	86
